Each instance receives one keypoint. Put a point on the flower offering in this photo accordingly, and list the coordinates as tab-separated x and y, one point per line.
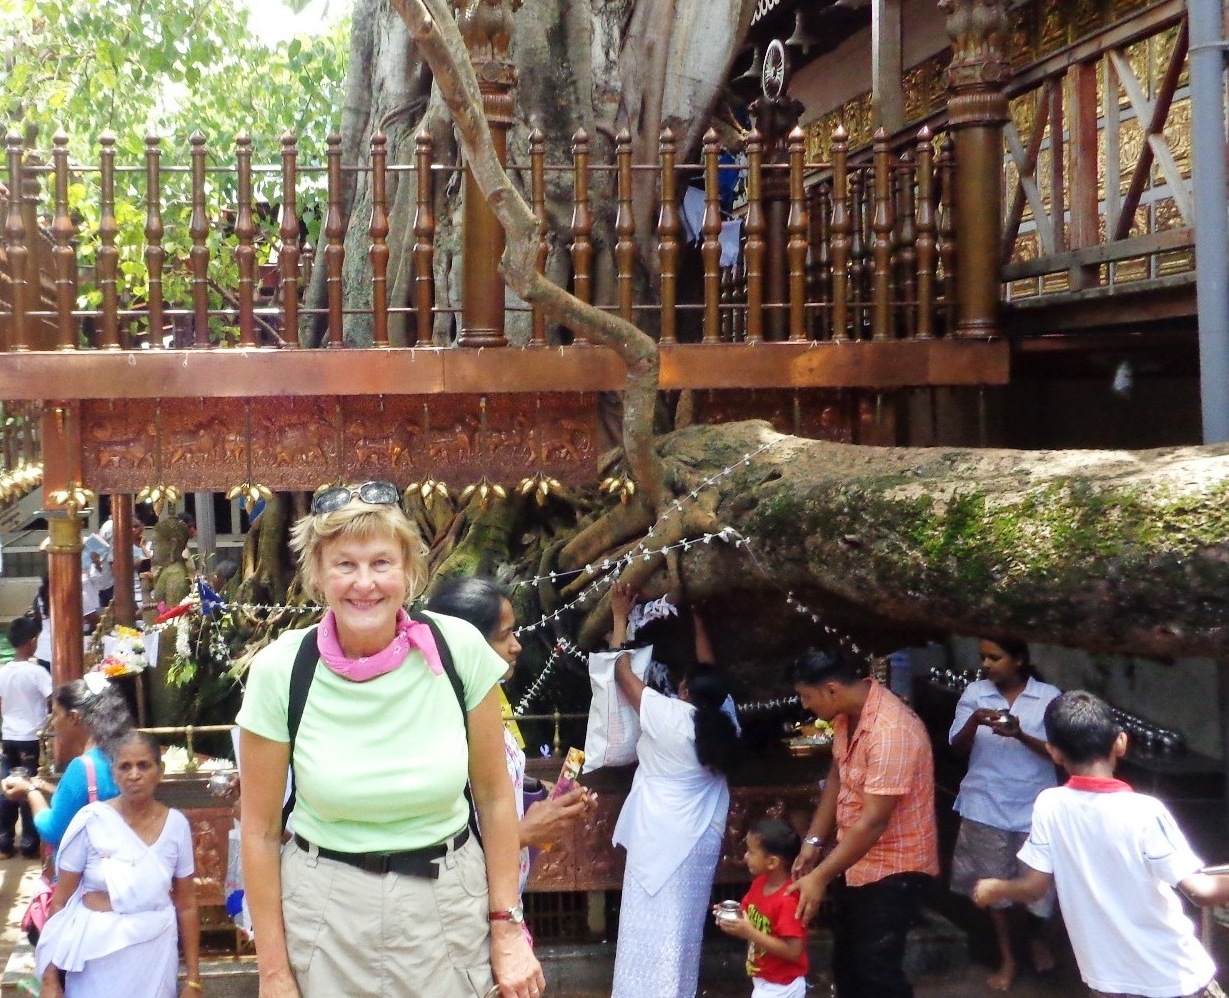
123	652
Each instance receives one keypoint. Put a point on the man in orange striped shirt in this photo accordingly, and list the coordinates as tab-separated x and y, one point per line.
879	800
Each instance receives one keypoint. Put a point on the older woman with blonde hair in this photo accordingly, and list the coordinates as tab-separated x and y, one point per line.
382	890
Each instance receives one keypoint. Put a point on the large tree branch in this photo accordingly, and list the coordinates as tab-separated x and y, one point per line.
1116	551
435	32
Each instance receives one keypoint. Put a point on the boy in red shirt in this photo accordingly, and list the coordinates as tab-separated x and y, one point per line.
776	939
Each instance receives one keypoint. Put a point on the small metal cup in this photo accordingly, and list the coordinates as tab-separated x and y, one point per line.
222	782
728	911
20	772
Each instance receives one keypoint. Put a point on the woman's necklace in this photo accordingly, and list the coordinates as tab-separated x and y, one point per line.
145	823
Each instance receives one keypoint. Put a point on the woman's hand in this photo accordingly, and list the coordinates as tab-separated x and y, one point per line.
622	599
17	787
517	971
276	985
1006	725
987	716
547	820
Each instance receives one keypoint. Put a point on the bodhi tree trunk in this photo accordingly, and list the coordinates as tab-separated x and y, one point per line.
583	64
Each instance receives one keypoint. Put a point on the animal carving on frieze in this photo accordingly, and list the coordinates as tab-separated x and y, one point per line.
207	441
486	26
383	440
567	440
295	444
456	443
118	442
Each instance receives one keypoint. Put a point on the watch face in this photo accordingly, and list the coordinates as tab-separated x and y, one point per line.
517	914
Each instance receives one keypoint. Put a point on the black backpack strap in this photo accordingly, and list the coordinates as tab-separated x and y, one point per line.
301	676
458	688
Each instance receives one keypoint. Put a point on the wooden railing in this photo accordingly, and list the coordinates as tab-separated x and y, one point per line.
865	255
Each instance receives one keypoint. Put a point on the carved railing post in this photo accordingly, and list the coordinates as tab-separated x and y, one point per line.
775	115
977	111
486	27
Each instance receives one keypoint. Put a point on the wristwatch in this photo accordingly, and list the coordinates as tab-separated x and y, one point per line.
515	915
813	840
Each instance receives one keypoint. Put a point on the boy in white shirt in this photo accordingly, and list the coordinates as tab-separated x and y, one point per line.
1115	857
25	687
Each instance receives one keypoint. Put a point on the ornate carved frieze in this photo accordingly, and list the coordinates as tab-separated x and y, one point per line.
299	443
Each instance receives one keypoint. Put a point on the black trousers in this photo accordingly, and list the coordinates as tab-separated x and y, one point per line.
869	926
18	754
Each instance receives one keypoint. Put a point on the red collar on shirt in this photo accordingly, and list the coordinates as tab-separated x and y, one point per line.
1099	784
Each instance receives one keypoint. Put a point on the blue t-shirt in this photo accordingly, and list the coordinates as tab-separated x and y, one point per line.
73	794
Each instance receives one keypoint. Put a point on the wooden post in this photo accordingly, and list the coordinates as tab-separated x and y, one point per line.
668	225
710	244
424	241
625	226
925	243
537	172
754	249
482	237
124	602
840	227
378	230
155	255
64	254
107	263
288	236
796	245
245	232
198	229
881	241
335	249
775	115
977	111
64	576
15	243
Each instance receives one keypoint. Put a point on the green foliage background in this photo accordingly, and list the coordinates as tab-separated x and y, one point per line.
145	67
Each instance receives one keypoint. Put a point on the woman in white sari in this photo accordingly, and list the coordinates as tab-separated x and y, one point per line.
671	825
125	902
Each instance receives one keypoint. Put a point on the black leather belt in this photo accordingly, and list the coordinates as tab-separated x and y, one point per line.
410	863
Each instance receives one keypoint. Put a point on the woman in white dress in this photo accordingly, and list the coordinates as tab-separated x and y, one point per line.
125	902
672	824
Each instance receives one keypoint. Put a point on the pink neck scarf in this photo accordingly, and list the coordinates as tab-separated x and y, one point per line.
410	634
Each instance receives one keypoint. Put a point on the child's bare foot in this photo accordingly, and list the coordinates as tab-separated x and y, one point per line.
1001	980
1043	956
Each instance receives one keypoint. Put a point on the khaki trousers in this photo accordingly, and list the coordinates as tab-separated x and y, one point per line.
367	935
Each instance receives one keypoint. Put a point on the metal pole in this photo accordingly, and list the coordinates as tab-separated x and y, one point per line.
1207	67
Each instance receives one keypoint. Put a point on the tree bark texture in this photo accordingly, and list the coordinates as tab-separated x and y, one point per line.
1112	551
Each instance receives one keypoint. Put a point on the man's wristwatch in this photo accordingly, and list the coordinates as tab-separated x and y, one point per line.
813	840
515	915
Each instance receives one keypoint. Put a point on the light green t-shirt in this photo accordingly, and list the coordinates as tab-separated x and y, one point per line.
379	766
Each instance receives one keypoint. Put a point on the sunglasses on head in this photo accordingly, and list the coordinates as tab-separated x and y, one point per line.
372	493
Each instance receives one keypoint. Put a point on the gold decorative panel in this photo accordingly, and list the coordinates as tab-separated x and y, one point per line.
1166	215
1177	262
1177	132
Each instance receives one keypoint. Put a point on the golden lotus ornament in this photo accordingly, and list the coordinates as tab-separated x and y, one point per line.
74	497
